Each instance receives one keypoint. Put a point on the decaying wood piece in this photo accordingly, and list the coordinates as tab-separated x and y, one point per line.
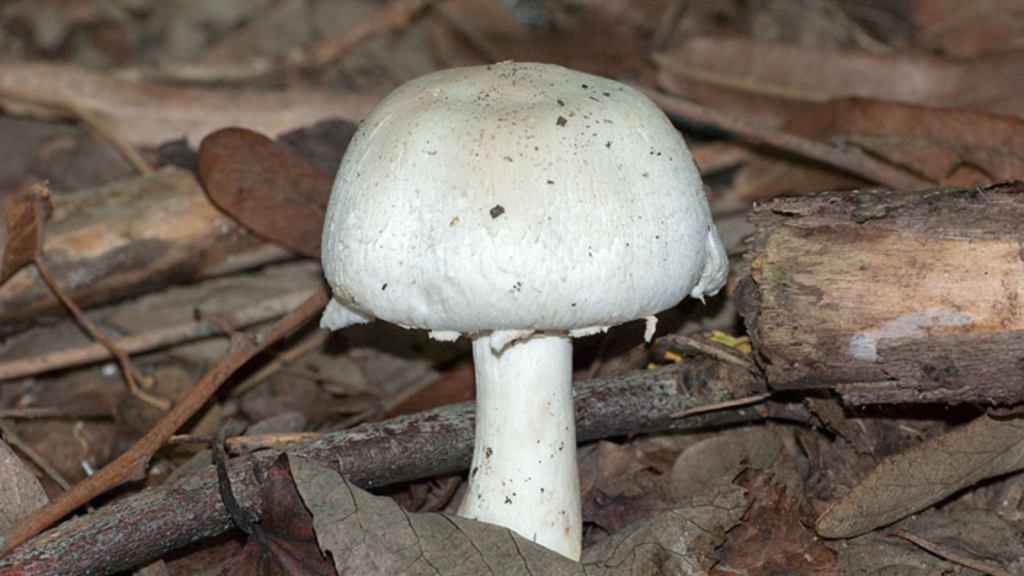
440	441
891	296
136	234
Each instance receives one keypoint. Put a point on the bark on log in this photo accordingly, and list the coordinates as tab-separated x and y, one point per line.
159	519
128	237
891	296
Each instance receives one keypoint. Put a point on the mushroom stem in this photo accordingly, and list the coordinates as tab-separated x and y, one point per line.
524	473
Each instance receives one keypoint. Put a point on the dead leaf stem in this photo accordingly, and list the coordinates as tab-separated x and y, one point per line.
132	376
131	464
723	405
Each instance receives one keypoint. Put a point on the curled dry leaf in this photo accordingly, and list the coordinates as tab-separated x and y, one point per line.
22	220
271	191
20	491
948	146
910	481
368	535
282	542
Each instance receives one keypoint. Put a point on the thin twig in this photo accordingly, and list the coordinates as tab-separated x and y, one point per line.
723	405
149	341
69	412
668	24
711	348
983	567
396	15
306	345
488	49
92	121
132	463
131	374
239	445
11	435
852	161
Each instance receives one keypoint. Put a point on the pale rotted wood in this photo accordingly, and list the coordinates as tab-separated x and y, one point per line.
159	519
133	235
891	296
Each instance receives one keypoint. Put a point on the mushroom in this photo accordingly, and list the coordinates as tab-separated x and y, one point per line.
521	205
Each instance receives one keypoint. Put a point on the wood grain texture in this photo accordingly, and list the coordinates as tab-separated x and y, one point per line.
130	236
891	296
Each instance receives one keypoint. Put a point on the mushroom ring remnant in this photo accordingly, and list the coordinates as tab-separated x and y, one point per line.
521	205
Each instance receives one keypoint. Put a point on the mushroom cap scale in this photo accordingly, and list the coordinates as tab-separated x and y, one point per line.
517	197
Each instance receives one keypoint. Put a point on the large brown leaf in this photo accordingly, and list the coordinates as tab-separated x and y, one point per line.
271	191
913	480
369	535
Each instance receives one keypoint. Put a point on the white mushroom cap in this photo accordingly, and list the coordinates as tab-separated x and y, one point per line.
516	198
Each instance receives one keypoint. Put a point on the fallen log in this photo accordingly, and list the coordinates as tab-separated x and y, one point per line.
128	237
440	441
891	297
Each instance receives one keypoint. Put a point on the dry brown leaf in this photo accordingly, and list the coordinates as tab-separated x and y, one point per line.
967	29
772	537
776	79
271	191
23	218
372	535
147	114
723	454
947	146
915	479
282	542
620	486
987	536
20	491
883	555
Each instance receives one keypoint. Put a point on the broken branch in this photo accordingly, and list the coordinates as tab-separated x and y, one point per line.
440	441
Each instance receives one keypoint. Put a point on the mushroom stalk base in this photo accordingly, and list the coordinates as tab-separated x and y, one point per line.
523	475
